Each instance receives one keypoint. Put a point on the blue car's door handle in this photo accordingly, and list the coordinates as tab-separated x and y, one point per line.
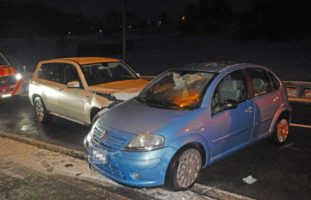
249	109
275	99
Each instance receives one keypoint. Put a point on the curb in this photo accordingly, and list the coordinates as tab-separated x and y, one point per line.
216	193
203	190
44	145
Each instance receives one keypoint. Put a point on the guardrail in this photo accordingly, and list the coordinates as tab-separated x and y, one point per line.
298	91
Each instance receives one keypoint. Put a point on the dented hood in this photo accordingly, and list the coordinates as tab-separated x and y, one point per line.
135	118
122	90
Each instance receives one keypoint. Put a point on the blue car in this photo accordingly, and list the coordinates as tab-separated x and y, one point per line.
186	119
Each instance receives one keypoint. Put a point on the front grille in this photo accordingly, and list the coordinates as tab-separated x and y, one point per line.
110	143
7	80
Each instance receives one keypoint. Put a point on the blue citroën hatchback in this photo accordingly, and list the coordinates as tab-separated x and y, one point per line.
186	119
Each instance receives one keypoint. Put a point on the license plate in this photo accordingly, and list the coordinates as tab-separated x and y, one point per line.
100	156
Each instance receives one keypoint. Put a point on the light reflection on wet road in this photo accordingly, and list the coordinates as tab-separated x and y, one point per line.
17	116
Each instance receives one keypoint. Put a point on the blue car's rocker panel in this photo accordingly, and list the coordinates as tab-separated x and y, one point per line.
186	119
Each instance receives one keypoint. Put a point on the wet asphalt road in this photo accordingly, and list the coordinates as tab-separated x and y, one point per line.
282	172
17	117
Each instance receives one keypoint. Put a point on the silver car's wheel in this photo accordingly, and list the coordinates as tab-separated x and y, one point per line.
40	110
184	169
282	130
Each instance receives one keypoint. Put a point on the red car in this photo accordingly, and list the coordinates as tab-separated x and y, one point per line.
10	79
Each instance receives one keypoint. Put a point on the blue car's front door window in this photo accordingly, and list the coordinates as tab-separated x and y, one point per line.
232	89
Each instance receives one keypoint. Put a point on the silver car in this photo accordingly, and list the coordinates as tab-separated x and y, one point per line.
80	88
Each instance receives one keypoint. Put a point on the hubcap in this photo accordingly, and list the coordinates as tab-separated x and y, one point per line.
282	130
39	110
190	163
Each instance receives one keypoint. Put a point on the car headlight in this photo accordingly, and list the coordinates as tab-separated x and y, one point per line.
18	76
145	142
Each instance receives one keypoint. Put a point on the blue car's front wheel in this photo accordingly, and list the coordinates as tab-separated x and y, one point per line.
184	169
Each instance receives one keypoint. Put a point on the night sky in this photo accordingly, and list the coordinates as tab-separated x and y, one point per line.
98	8
147	8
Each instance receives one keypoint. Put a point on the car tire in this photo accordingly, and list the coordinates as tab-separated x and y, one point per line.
281	130
184	169
41	114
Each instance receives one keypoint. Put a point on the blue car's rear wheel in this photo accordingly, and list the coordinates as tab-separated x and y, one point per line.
184	170
281	130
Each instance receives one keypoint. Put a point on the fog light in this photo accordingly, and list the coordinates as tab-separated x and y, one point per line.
136	176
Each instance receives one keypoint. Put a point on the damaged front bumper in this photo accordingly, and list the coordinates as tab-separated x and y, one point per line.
138	169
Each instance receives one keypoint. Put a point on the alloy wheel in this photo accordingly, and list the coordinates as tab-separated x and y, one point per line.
189	165
39	110
282	130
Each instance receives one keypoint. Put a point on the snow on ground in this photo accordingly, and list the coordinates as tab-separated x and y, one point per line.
51	163
152	54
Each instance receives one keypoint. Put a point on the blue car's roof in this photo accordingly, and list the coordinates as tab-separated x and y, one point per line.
216	67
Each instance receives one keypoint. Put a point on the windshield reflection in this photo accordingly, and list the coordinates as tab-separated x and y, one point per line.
177	90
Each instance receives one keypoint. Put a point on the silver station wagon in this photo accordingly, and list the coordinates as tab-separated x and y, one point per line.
79	88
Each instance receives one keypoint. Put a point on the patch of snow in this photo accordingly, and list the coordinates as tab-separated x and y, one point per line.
51	163
249	179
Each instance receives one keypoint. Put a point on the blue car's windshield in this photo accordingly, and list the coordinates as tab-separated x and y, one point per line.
177	90
98	73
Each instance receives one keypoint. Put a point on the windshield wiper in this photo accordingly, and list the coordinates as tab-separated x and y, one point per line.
156	103
141	99
170	104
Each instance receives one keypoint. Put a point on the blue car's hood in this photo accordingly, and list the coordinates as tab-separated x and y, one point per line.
133	117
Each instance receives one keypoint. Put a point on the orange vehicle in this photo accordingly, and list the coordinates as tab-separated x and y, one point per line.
10	79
